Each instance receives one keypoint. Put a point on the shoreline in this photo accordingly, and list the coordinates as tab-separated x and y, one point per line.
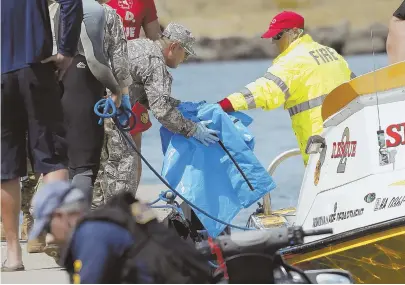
341	37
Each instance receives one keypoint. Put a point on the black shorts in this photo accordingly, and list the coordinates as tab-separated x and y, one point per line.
83	133
31	102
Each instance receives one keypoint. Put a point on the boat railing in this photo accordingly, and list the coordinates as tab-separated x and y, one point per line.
272	167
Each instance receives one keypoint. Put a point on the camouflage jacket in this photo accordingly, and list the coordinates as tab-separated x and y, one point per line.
115	46
152	85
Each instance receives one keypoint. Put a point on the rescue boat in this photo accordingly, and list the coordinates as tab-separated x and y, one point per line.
354	182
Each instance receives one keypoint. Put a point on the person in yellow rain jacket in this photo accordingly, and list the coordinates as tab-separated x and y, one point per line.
300	78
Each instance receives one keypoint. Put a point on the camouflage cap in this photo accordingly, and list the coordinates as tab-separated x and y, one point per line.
181	34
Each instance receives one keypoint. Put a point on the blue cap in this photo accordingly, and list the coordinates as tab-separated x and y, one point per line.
50	197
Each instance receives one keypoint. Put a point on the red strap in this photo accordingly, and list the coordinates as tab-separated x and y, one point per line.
142	120
226	105
215	249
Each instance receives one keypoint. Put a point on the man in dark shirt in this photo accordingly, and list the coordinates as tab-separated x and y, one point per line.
30	102
396	36
58	207
121	242
85	82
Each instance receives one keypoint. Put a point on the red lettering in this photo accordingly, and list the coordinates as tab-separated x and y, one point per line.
341	149
344	149
393	131
333	150
347	149
354	145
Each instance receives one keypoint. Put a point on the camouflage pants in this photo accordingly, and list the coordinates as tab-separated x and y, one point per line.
29	186
118	167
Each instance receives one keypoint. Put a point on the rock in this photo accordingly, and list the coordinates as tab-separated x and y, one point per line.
359	41
339	37
233	48
204	53
363	45
379	30
268	49
333	37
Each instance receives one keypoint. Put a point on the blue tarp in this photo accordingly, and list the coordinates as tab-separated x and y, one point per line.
206	176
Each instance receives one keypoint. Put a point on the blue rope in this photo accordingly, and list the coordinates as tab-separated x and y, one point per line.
162	197
106	109
106	104
213	264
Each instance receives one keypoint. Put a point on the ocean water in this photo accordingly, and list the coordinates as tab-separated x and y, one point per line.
272	129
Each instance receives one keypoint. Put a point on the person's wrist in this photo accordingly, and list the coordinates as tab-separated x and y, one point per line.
65	53
226	105
193	131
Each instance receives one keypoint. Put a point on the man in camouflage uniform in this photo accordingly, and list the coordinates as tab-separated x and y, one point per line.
152	81
118	167
118	163
152	88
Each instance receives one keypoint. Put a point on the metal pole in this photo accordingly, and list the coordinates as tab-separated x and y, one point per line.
272	167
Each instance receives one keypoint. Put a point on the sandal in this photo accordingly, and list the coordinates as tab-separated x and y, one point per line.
53	250
5	268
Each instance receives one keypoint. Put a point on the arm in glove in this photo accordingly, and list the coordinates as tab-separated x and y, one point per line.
123	117
204	134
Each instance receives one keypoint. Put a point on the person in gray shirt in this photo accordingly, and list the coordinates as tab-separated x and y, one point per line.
84	85
152	81
101	62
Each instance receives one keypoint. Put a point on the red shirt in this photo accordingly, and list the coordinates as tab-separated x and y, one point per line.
134	14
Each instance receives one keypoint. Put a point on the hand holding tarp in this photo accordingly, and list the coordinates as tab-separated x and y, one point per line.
204	134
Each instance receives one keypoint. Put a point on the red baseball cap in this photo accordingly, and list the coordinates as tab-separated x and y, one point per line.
282	21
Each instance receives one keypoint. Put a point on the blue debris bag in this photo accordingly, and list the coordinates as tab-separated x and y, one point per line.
206	176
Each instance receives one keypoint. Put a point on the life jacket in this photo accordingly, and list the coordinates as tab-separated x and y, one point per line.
300	79
158	255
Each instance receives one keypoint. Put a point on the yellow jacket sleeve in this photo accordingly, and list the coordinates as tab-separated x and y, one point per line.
268	92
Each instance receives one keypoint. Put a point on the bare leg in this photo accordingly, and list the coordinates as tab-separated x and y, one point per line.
10	212
61	174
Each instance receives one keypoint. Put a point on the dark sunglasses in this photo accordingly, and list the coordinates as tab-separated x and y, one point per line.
278	36
186	53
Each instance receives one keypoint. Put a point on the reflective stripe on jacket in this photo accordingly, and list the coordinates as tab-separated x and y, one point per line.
299	79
